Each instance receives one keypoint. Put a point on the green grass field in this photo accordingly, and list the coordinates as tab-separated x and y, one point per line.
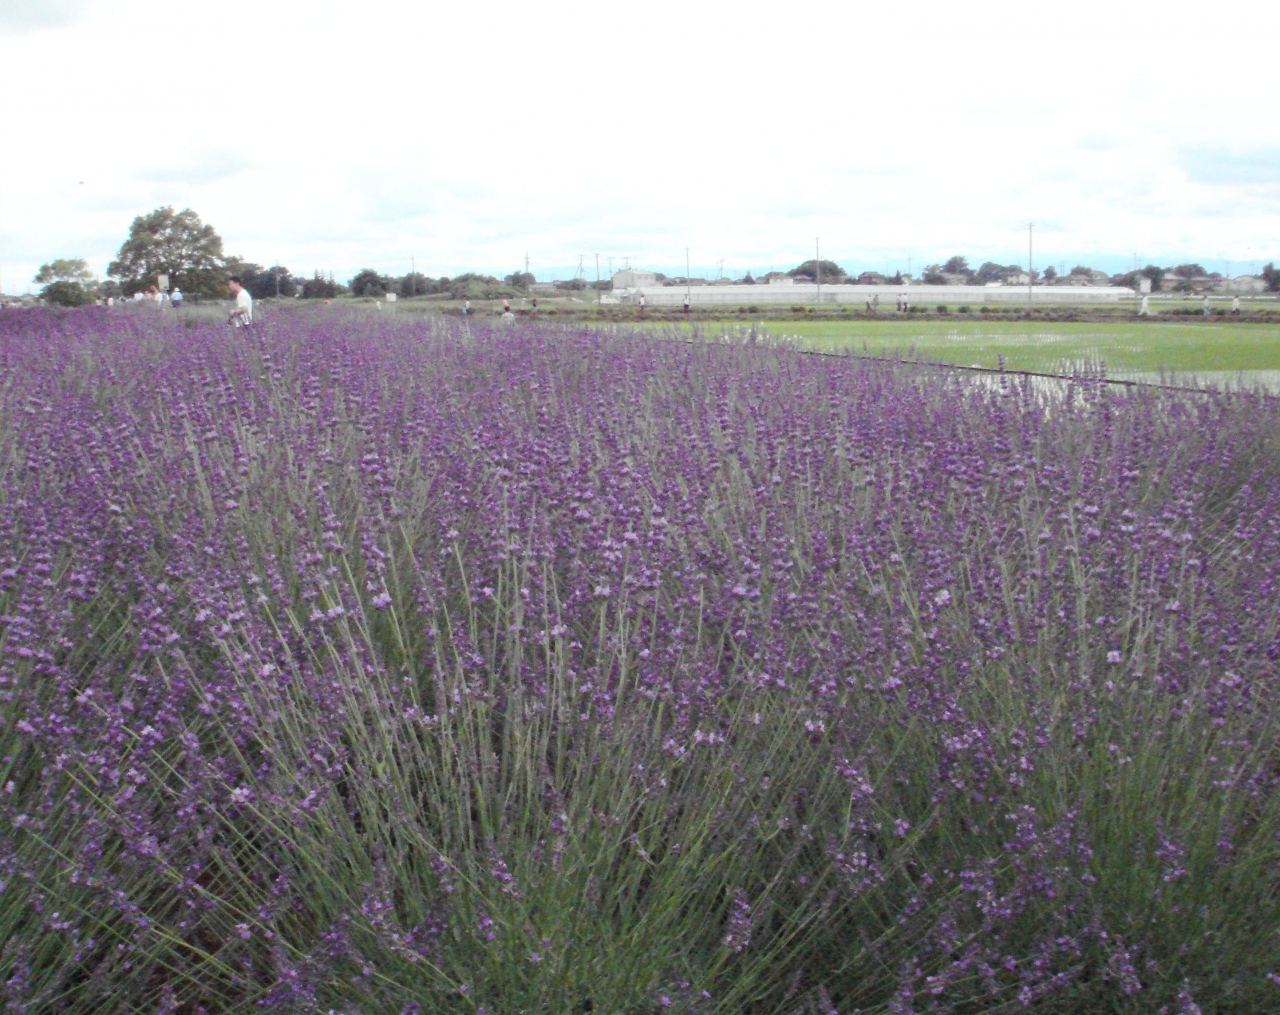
1124	347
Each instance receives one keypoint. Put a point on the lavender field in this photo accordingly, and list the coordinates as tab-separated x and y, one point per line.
397	666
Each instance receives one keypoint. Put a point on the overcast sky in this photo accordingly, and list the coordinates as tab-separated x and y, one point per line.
335	136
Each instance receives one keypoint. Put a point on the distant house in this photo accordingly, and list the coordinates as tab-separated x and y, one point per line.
778	278
1093	277
1015	278
1245	284
872	278
634	278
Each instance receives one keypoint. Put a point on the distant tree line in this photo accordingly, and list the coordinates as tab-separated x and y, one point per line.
188	253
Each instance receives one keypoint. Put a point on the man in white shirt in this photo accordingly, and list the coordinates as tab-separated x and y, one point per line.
241	315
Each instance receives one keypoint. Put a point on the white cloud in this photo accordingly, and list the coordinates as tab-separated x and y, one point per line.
334	141
30	15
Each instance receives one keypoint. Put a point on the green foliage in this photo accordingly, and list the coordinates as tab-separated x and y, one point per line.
171	243
74	269
992	272
831	272
957	266
1050	273
68	294
415	283
1190	271
67	282
267	283
369	283
1271	275
520	278
319	287
932	275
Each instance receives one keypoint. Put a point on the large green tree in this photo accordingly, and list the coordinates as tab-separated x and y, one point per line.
67	282
171	243
831	272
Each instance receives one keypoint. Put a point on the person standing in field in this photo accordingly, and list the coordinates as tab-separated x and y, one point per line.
1146	307
1235	304
241	315
176	297
1206	304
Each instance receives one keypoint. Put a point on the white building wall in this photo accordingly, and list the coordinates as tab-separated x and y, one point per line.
743	295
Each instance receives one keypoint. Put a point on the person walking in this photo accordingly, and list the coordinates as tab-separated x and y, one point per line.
1206	304
1235	305
175	297
1146	307
466	307
642	303
241	315
686	304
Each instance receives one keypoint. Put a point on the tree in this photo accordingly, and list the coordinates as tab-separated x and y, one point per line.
171	243
831	272
932	274
957	266
520	278
369	283
1050	273
1271	275
266	283
747	279
320	288
416	284
1082	269
67	282
1190	271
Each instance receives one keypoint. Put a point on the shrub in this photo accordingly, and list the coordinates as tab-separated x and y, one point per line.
383	665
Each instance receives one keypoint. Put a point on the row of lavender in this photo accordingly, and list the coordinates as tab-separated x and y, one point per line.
375	666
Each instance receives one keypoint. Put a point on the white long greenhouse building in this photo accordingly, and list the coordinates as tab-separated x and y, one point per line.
658	295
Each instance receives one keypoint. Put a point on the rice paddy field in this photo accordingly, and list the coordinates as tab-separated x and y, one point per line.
370	664
1141	349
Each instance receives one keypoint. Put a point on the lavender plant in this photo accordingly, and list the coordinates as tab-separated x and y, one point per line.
412	666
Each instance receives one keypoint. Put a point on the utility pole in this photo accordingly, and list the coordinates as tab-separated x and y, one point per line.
413	275
1030	226
597	267
526	264
688	285
817	260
